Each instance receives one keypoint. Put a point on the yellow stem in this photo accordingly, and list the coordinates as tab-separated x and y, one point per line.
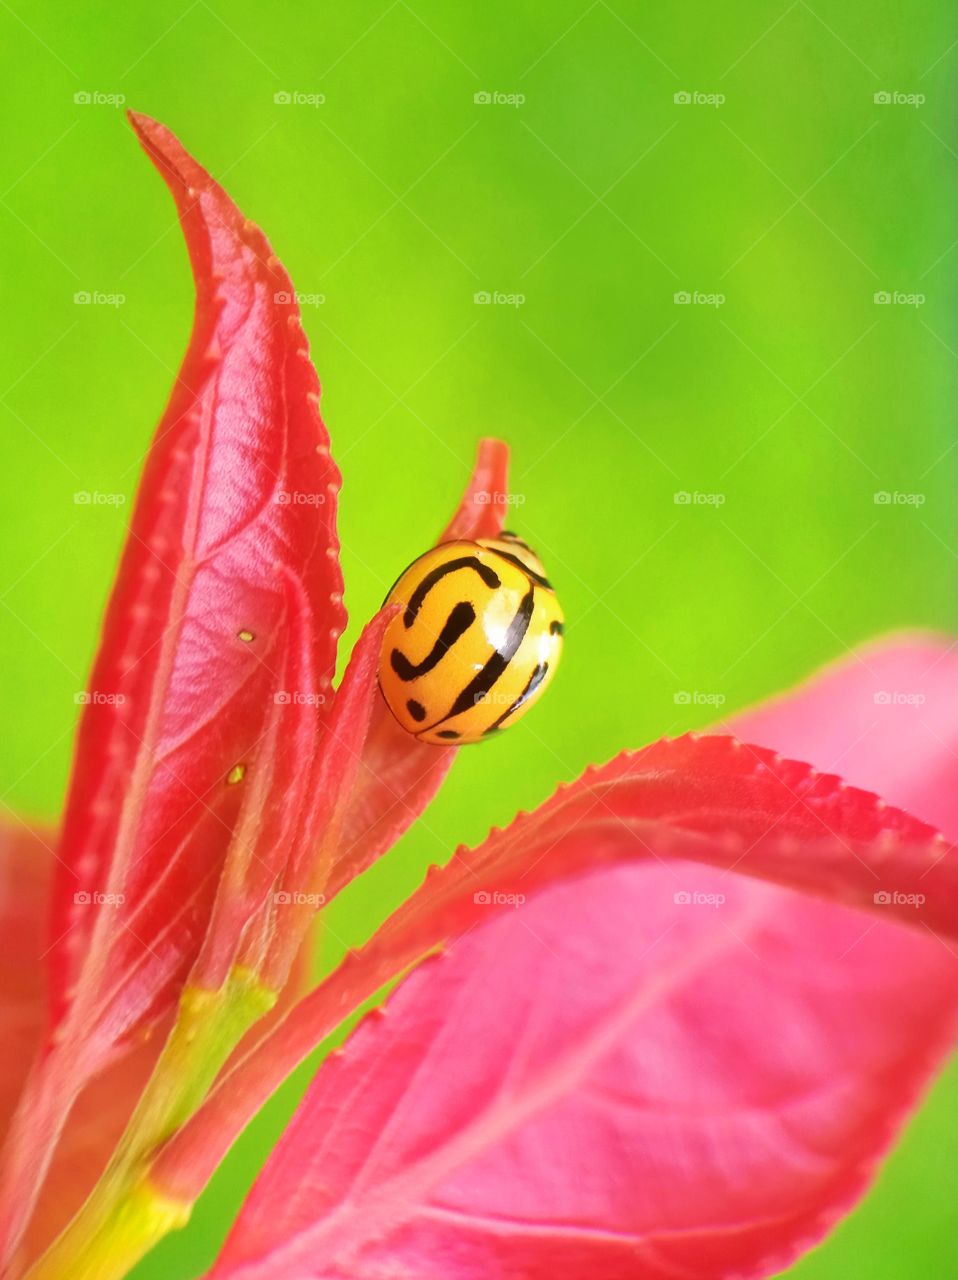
123	1216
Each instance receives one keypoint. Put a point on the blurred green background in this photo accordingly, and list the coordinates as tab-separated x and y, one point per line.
588	205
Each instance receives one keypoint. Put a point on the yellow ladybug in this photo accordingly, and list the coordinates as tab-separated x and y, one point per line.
476	643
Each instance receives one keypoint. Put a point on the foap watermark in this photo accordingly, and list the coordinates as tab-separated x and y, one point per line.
96	698
895	498
298	698
293	898
892	898
94	498
95	98
695	298
285	299
898	698
298	98
696	98
895	98
298	498
696	898
697	698
494	298
486	499
896	298
93	898
494	98
493	698
493	898
95	298
695	498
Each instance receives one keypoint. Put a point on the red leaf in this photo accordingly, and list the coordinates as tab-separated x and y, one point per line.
303	884
150	810
372	778
25	865
229	589
603	1083
709	799
482	510
400	775
103	1109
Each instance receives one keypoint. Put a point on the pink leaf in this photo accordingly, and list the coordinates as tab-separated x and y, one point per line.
885	718
712	800
603	1082
610	1081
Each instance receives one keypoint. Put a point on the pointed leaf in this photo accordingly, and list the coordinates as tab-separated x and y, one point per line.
197	630
775	1055
302	886
399	775
605	1082
710	800
482	510
229	588
770	1071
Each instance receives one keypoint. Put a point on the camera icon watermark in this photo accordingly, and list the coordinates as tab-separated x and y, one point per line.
894	98
695	98
94	98
895	498
696	298
94	298
897	298
95	698
285	298
695	498
296	698
296	98
298	498
93	898
697	698
695	898
494	298
484	498
94	498
892	898
485	898
898	698
487	98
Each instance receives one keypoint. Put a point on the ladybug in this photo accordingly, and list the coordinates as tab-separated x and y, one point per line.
477	641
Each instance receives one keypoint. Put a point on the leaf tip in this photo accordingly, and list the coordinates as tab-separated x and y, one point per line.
149	131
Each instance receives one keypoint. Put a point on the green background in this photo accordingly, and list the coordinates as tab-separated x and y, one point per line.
596	199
